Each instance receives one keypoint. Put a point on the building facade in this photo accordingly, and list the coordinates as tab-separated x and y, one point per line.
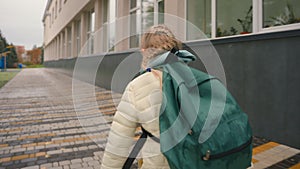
257	42
88	27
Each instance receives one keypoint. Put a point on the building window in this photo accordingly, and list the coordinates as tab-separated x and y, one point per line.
78	36
134	37
152	13
147	14
50	19
55	9
220	18
108	22
112	25
199	19
60	5
133	4
91	30
160	10
52	16
233	17
144	14
105	11
280	12
69	46
105	23
135	23
63	44
58	46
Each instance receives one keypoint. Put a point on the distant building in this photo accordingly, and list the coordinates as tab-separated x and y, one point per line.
20	53
33	56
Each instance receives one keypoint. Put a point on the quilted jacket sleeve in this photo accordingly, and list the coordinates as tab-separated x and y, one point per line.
121	135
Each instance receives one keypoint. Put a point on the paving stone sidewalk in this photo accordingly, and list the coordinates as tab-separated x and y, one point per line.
48	120
40	127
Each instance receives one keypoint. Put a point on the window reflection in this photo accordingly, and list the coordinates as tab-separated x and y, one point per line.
280	12
199	18
144	14
234	17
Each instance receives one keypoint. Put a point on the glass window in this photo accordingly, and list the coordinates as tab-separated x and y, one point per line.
161	11
90	33
105	11
199	18
92	21
78	37
233	17
134	37
147	14
108	25
105	18
58	47
112	25
280	12
63	44
134	23
50	22
69	42
55	9
143	14
52	16
132	4
60	5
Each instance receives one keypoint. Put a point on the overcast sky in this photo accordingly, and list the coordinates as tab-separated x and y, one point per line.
21	21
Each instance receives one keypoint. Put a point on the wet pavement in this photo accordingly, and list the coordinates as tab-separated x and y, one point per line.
48	120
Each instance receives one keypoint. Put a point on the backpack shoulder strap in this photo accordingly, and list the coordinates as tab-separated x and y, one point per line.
137	148
135	151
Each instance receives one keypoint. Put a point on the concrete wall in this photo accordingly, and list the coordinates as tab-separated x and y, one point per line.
262	72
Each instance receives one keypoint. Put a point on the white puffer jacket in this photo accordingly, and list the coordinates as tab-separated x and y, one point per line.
140	104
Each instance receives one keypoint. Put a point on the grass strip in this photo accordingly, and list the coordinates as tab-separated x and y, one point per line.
6	76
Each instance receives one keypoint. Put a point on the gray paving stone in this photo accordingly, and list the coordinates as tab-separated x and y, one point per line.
84	165
31	163
7	163
47	165
65	162
17	150
76	166
30	148
41	161
39	147
67	150
94	163
66	167
88	159
83	148
58	167
93	146
52	145
54	152
31	167
55	164
64	144
76	161
28	160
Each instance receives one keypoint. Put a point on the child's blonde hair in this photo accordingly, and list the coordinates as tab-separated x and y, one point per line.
157	40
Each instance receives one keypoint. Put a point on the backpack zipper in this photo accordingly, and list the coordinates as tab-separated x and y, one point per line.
208	155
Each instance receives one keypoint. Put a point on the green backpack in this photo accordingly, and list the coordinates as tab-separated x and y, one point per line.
201	124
